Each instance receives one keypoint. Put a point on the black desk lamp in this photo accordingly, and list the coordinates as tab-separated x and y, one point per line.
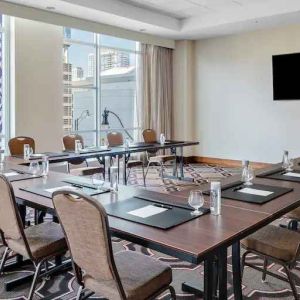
105	114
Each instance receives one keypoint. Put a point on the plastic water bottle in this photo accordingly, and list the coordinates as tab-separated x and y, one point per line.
114	179
215	198
162	139
45	166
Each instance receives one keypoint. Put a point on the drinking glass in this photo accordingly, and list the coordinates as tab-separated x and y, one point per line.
34	168
290	165
196	200
247	176
98	180
78	146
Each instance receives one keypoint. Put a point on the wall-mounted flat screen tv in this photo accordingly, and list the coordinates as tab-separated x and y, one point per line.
286	76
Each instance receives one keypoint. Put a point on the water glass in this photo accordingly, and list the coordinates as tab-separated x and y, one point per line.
34	168
196	200
114	179
28	151
248	176
78	146
98	180
290	167
162	139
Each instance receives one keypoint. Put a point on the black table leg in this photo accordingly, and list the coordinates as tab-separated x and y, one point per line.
22	210
208	278
236	271
222	273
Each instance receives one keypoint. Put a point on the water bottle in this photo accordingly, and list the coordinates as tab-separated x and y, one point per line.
215	198
285	160
45	166
114	179
162	139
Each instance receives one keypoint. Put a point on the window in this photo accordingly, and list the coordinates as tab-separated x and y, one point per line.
100	72
4	76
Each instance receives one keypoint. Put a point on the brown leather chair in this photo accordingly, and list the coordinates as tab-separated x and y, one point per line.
125	275
16	144
115	139
37	243
69	145
149	136
276	244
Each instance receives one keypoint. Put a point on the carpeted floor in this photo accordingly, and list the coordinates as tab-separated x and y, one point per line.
64	286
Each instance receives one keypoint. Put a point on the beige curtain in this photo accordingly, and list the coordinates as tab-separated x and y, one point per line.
156	94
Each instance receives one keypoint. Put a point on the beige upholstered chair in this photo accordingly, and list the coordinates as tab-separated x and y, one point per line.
149	136
37	243
116	139
276	244
69	145
125	275
16	144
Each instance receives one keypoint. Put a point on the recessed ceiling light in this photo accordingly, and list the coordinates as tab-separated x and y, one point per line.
142	30
50	7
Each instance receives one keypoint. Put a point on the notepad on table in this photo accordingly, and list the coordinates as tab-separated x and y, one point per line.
147	211
292	174
52	190
9	174
255	192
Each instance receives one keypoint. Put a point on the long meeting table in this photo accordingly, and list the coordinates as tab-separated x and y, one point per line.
204	239
99	153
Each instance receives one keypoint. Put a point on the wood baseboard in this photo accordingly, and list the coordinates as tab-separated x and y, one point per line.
223	162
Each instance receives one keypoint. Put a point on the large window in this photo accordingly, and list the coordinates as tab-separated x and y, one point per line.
99	72
4	76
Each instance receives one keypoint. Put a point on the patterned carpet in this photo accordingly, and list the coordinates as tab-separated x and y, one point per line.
64	286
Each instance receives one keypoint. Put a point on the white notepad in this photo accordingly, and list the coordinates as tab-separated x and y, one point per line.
255	192
147	211
292	174
52	190
8	174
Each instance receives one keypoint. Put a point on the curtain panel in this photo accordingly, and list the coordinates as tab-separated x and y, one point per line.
156	94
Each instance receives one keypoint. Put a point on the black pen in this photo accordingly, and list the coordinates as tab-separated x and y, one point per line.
163	206
238	188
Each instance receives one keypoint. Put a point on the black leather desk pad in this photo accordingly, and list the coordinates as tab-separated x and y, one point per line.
233	193
40	189
172	217
279	175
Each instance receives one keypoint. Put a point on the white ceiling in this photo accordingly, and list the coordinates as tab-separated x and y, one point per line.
179	19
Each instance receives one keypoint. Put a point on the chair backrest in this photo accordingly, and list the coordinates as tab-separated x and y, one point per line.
10	221
86	229
115	139
149	136
69	141
16	144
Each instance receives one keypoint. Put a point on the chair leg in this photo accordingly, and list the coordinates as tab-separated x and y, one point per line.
144	177
78	297
147	169
4	258
162	171
264	273
243	263
291	281
129	170
172	292
35	279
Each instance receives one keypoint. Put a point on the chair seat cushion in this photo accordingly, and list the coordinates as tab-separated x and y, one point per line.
44	240
162	158
294	214
86	171
134	163
278	242
141	277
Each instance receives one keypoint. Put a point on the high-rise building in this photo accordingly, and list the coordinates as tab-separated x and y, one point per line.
77	73
114	59
91	65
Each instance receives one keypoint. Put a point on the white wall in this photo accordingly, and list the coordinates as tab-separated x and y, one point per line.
235	115
38	83
183	71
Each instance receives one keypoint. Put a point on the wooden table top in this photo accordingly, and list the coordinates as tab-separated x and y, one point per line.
190	241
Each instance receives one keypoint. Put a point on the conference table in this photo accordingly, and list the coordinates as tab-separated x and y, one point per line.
204	239
100	153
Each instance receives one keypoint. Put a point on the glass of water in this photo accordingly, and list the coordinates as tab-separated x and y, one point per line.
34	168
28	151
196	201
98	180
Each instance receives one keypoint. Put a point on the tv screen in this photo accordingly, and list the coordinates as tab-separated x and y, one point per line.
286	76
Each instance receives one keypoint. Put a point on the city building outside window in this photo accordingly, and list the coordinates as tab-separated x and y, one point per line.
100	72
